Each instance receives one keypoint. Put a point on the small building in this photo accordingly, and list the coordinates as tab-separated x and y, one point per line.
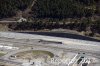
22	19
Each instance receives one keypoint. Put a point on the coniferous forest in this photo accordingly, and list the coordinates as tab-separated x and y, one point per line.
66	8
52	8
9	8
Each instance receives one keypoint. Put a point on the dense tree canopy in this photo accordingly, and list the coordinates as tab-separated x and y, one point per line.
51	8
9	7
64	8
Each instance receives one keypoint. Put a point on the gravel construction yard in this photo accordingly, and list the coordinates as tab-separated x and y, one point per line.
6	64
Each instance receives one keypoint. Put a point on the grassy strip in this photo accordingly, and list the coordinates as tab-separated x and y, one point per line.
44	52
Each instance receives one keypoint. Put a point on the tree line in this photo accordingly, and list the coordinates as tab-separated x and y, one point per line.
84	25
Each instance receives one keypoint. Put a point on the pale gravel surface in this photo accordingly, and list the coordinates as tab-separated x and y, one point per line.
89	47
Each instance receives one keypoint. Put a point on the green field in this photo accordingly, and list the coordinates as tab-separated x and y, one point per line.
2	53
37	52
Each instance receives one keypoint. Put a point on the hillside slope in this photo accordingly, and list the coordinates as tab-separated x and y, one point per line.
79	15
9	8
50	8
66	8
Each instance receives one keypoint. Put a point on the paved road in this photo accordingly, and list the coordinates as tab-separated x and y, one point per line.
7	21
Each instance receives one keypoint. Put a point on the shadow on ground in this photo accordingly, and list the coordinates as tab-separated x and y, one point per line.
64	35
